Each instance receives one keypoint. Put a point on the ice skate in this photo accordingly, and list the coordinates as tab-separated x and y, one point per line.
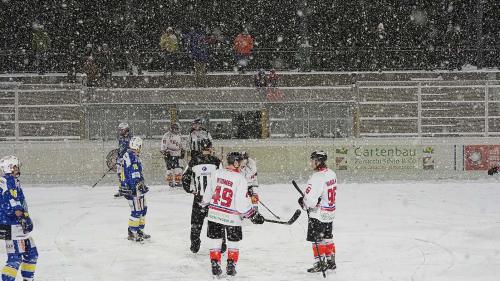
134	237
231	268
317	267
143	235
330	263
216	270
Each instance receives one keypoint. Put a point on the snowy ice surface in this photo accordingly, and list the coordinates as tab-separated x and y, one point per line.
384	231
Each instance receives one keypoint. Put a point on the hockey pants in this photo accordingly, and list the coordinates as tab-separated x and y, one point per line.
20	253
138	210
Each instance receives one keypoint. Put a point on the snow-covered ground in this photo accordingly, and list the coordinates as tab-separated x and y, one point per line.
384	231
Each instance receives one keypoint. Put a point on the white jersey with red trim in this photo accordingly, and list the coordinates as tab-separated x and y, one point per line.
320	195
250	172
172	143
226	197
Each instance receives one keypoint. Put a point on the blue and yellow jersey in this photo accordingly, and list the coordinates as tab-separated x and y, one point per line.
132	170
123	143
12	200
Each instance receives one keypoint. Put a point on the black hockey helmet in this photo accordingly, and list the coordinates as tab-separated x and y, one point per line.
197	121
233	157
175	127
319	155
205	144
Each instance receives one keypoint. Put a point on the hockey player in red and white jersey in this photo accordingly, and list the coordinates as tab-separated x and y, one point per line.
249	171
228	205
173	152
319	202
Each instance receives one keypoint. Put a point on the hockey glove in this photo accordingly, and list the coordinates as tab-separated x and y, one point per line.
255	199
142	187
253	195
493	170
257	218
26	223
125	191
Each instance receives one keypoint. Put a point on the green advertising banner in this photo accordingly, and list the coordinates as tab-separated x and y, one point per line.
384	157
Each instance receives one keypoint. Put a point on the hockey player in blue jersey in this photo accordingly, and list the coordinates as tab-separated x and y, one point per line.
133	189
124	136
15	224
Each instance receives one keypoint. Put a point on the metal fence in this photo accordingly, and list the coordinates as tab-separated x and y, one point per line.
429	109
367	109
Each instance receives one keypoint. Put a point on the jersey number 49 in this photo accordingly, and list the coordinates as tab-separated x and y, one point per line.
226	195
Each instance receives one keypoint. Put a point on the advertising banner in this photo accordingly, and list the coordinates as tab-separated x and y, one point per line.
481	157
384	157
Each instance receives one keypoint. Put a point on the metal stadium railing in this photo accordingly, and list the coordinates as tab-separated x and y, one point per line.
366	109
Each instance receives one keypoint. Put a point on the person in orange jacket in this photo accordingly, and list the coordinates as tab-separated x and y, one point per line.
243	49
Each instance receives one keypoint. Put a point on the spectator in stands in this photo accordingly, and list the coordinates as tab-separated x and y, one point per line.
243	49
304	55
40	44
186	59
170	47
132	42
91	70
453	39
198	51
105	63
381	44
260	79
73	62
272	79
273	92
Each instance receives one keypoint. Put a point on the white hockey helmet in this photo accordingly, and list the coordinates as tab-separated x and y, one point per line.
136	143
7	164
123	129
123	126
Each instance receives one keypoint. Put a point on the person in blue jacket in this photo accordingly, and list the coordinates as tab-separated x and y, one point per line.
15	223
124	137
133	189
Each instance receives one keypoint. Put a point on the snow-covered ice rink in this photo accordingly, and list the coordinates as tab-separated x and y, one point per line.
384	231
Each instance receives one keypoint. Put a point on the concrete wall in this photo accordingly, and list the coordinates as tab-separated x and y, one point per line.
83	162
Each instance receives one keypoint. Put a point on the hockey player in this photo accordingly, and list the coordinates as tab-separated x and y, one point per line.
228	205
201	168
249	171
197	133
124	136
133	189
319	202
173	151
16	224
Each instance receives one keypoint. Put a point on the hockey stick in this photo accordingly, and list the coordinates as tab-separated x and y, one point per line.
269	210
321	261
297	187
103	176
295	216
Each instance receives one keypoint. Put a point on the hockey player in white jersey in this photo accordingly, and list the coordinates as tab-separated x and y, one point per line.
228	204
173	152
197	134
249	171
319	202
